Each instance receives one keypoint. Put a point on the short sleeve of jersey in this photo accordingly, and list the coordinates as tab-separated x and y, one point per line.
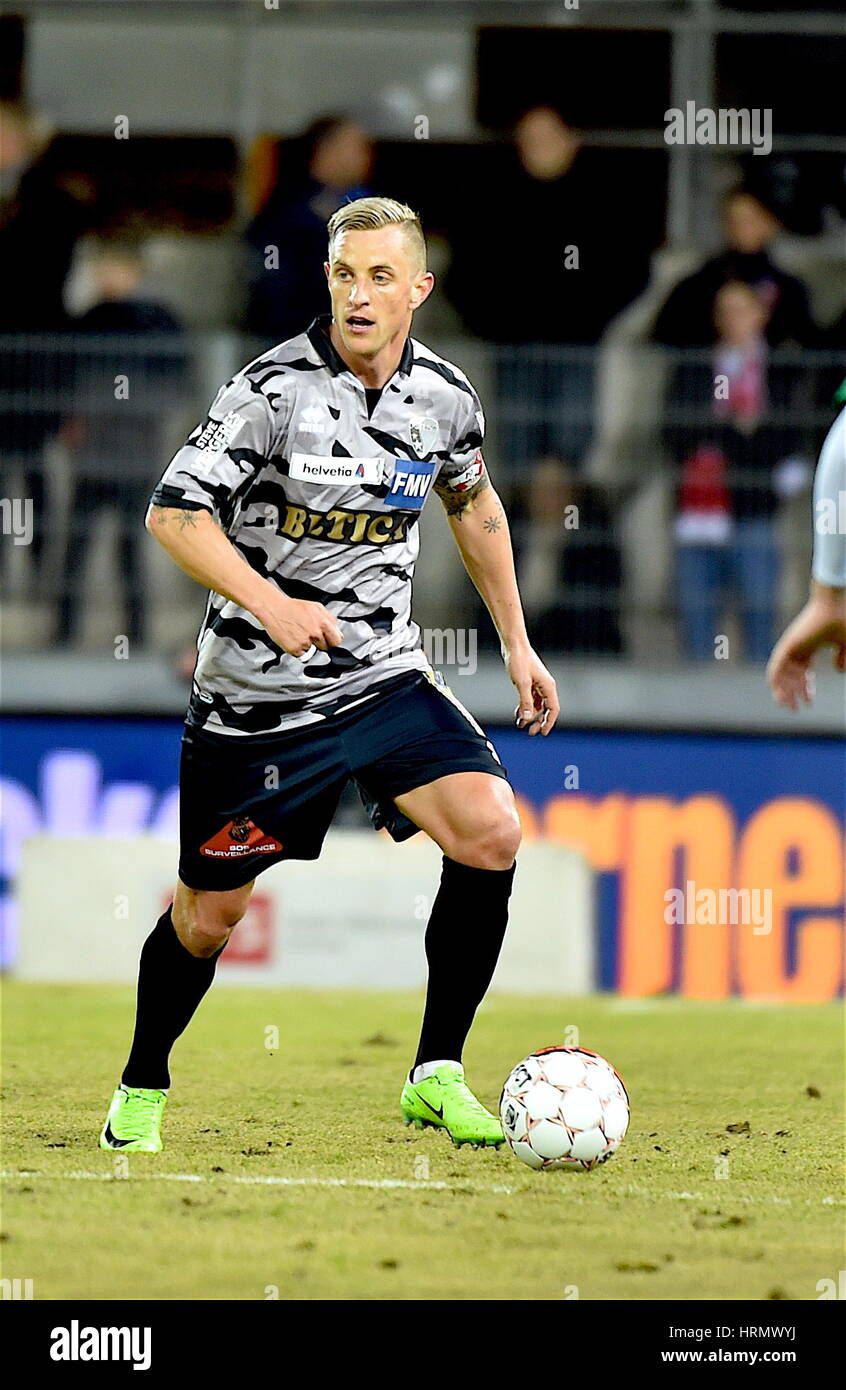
464	464
829	564
222	455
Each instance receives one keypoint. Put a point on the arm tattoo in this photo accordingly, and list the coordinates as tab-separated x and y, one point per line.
456	503
493	523
183	518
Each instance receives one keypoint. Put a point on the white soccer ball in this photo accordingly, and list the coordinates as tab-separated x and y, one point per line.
564	1107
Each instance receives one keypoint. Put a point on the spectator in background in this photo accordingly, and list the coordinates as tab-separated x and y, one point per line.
568	563
550	213
288	237
686	319
133	369
40	224
731	431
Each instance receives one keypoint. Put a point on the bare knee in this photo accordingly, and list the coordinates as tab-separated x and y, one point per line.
493	844
204	922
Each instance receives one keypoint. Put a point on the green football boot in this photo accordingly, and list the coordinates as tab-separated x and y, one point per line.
444	1101
134	1121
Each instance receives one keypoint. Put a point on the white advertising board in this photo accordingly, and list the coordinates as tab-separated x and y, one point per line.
355	918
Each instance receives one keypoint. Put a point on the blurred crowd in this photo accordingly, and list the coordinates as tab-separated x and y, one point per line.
538	270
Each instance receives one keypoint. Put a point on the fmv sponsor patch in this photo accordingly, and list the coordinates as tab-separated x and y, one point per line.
410	484
313	468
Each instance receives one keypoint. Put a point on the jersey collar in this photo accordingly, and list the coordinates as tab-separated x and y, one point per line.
318	336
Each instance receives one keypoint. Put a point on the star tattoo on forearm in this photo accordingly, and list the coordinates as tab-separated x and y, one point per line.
182	517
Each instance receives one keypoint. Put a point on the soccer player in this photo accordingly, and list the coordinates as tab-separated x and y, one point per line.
822	622
296	502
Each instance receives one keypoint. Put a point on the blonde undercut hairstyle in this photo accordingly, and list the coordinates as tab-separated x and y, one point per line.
369	214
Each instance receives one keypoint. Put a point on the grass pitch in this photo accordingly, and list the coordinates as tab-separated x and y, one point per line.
728	1185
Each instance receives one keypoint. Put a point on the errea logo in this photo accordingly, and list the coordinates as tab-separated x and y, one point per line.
313	421
77	1343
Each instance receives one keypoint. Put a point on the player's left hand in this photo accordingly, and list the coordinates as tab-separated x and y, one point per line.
790	678
821	623
539	707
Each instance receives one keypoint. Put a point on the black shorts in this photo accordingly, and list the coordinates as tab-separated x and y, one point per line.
246	803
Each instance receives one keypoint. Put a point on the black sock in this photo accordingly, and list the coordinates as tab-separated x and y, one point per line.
171	983
463	941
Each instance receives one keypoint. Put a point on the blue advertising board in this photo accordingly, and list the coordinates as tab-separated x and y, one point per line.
671	822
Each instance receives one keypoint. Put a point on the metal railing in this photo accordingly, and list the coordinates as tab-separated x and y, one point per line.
87	425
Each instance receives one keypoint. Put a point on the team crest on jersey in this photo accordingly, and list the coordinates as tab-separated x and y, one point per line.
424	434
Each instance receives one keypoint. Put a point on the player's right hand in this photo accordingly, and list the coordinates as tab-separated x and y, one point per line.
297	624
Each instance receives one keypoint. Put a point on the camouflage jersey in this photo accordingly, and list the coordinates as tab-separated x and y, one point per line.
320	491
